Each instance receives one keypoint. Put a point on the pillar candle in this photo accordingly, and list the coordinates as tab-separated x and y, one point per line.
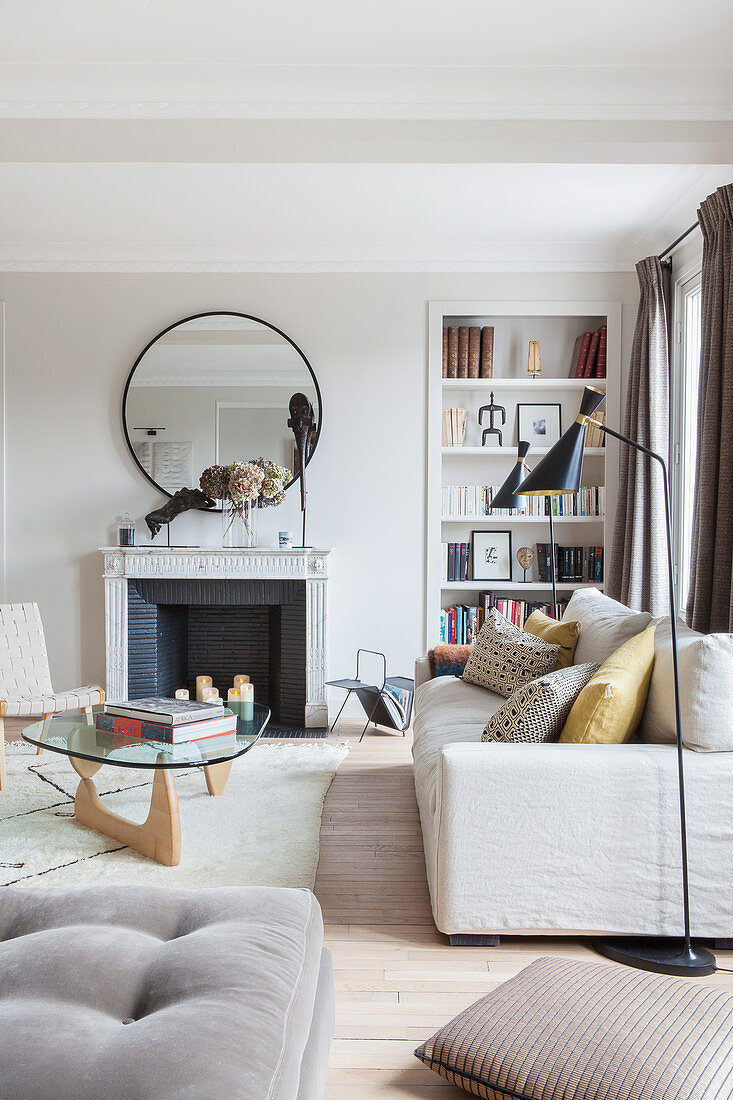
234	701
182	693
247	695
211	695
201	683
240	679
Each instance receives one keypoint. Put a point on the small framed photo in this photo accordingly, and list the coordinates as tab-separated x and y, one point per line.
540	425
491	555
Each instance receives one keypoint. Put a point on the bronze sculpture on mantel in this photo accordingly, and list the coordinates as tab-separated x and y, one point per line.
301	422
182	501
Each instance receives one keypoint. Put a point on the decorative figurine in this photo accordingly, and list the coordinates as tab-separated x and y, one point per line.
525	557
533	359
302	420
492	410
182	501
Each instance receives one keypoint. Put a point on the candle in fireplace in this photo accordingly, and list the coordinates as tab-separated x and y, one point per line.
240	679
201	683
247	695
182	693
211	695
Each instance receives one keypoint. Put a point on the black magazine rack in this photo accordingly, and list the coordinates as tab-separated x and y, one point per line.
387	705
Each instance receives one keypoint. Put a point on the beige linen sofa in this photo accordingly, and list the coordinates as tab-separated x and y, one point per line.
554	838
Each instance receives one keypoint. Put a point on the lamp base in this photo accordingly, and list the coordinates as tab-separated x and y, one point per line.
660	954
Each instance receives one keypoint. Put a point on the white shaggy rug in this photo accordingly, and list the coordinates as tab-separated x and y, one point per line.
263	831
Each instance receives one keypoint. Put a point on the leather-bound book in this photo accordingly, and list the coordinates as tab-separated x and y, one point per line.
590	363
452	351
601	360
487	351
474	351
462	351
574	360
583	355
445	352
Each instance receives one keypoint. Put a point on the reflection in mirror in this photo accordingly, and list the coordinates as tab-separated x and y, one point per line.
214	389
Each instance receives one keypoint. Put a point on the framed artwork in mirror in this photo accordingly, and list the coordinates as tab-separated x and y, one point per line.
212	389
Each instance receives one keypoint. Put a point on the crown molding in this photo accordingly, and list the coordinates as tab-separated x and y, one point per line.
324	267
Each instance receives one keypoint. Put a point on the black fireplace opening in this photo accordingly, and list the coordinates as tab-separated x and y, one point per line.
181	629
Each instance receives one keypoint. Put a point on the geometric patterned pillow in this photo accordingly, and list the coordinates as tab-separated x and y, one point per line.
505	658
537	711
566	1030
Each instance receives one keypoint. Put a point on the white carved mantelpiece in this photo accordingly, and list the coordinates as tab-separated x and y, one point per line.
122	563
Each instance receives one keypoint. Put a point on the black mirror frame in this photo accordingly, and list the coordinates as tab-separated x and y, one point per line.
195	317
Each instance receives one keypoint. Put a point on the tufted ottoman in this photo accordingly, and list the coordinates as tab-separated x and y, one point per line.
125	993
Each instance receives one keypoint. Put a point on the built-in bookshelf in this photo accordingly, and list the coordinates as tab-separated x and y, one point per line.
556	325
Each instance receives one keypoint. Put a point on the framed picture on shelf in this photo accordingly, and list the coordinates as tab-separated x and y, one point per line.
491	555
540	425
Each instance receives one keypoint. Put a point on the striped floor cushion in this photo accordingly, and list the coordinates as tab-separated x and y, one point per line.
580	1031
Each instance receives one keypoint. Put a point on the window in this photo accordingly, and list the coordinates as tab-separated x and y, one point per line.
685	394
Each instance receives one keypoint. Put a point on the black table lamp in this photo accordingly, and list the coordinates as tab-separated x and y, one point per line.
559	472
510	496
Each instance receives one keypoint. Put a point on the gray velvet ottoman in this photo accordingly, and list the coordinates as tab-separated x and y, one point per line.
133	992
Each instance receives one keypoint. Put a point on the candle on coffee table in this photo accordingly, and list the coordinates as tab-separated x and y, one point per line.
201	683
181	693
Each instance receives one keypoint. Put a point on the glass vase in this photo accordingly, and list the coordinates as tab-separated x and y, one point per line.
239	523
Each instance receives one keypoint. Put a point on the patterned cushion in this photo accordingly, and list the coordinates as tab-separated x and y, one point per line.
537	712
505	658
563	1029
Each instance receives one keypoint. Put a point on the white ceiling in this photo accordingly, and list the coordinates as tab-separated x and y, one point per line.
402	134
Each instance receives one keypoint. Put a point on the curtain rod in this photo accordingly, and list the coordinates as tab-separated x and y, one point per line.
673	245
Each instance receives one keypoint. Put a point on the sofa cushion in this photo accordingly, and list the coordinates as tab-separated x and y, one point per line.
603	624
447	710
505	658
150	992
564	634
706	691
537	712
562	1029
609	708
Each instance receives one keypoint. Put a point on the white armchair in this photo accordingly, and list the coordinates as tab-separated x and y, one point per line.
25	676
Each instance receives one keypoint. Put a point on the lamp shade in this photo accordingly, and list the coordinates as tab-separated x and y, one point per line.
509	495
560	469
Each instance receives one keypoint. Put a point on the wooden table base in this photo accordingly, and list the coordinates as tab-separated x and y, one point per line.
159	836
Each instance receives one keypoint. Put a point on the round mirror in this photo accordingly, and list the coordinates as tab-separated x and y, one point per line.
214	389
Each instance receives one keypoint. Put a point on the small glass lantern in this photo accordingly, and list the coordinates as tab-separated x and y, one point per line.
126	531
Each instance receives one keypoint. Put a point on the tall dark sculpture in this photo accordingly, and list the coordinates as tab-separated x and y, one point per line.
301	422
182	501
492	410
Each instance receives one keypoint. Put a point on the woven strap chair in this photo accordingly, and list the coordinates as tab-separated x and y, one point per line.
25	676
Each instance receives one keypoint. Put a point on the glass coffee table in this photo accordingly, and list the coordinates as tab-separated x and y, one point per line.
89	749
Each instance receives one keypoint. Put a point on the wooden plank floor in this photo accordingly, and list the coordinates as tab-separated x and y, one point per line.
397	978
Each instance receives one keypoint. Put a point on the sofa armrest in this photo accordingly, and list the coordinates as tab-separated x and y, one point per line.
582	837
422	672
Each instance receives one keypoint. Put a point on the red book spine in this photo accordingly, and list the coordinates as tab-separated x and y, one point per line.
590	362
582	355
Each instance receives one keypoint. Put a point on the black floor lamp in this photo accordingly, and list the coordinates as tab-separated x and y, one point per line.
509	496
559	472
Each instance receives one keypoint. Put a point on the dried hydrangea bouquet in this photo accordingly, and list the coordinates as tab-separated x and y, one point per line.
242	487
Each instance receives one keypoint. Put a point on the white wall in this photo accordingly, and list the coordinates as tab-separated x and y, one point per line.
71	339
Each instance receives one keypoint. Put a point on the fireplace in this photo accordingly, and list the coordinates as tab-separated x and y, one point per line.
172	615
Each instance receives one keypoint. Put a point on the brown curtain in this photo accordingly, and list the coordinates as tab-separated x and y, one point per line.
710	606
638	574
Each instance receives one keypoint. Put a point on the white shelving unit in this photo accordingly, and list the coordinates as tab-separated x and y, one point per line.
555	325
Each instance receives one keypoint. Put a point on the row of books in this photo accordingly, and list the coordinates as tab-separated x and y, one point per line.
572	563
594	437
468	351
476	500
171	721
459	625
454	427
589	355
455	561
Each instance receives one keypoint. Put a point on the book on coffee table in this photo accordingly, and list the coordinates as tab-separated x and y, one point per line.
123	726
167	712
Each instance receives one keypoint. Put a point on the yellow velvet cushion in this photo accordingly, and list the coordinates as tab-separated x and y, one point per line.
609	708
550	630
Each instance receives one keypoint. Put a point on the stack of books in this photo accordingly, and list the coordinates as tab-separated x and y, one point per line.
171	721
454	427
594	437
572	563
589	355
468	351
476	500
460	625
